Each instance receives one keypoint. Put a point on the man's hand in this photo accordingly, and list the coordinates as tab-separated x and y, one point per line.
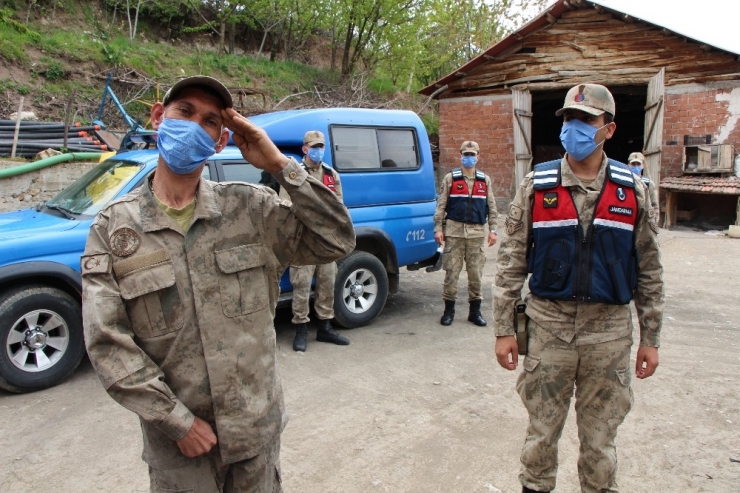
199	439
507	352
647	361
492	239
256	146
439	237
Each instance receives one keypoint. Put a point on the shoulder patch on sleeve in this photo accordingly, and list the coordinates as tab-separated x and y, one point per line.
516	212
95	264
512	226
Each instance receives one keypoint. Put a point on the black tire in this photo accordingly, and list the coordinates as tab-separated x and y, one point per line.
360	290
41	338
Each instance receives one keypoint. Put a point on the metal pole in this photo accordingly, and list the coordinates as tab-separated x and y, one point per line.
17	128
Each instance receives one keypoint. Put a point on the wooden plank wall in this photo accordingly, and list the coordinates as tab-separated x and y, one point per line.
584	44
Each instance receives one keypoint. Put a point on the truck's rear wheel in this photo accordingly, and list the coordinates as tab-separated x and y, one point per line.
41	339
360	290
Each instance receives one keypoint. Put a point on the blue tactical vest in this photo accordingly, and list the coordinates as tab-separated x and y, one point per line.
464	206
568	263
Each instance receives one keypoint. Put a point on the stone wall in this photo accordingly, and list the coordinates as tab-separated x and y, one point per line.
27	190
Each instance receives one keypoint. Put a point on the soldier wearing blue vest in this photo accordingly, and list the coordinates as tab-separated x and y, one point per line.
465	216
637	165
583	229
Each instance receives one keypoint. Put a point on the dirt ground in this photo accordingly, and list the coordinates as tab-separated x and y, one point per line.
411	406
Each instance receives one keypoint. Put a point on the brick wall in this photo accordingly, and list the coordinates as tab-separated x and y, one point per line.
696	110
488	121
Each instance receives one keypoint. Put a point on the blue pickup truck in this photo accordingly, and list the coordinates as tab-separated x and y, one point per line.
383	158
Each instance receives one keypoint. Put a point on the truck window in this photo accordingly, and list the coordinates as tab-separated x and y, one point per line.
367	149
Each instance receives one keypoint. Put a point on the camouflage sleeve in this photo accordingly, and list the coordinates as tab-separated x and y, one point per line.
654	202
441	210
491	200
129	376
511	263
649	297
338	185
314	229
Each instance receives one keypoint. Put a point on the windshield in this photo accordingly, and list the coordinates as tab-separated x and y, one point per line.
96	188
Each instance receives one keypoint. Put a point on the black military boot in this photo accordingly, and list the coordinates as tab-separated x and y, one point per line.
474	315
529	490
449	315
301	337
327	334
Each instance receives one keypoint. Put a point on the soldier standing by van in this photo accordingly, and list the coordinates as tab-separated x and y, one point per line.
465	209
301	276
179	288
583	228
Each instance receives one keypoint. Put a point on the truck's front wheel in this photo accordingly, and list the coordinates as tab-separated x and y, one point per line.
360	290
41	339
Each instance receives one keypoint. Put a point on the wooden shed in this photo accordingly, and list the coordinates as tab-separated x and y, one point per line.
677	101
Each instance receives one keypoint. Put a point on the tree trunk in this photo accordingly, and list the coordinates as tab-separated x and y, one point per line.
232	36
275	46
262	44
346	69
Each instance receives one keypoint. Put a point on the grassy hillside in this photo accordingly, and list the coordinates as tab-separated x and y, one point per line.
49	58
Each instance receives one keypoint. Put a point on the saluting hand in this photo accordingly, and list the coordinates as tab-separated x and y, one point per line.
253	142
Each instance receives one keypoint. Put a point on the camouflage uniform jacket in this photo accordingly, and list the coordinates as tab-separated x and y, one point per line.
182	326
317	171
587	323
457	229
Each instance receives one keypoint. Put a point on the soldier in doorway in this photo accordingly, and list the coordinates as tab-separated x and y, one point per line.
582	228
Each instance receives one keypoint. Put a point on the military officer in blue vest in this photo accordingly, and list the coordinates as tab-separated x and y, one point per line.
465	216
637	165
582	227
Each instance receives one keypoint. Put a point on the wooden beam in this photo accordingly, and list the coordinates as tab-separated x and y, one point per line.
550	18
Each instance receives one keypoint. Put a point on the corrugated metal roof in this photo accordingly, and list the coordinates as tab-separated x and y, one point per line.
543	20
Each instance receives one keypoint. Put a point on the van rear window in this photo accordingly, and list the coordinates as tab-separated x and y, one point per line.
368	148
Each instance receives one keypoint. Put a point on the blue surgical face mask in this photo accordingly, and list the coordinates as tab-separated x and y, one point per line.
636	170
184	145
578	138
469	161
316	154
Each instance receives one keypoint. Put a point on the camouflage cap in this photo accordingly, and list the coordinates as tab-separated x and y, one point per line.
636	157
312	138
593	99
469	146
200	81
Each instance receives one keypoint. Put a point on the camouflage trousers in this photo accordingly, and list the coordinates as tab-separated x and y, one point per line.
600	374
300	278
457	251
207	474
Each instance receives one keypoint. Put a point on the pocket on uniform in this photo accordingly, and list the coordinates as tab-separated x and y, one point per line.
243	281
556	267
531	363
624	377
152	300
